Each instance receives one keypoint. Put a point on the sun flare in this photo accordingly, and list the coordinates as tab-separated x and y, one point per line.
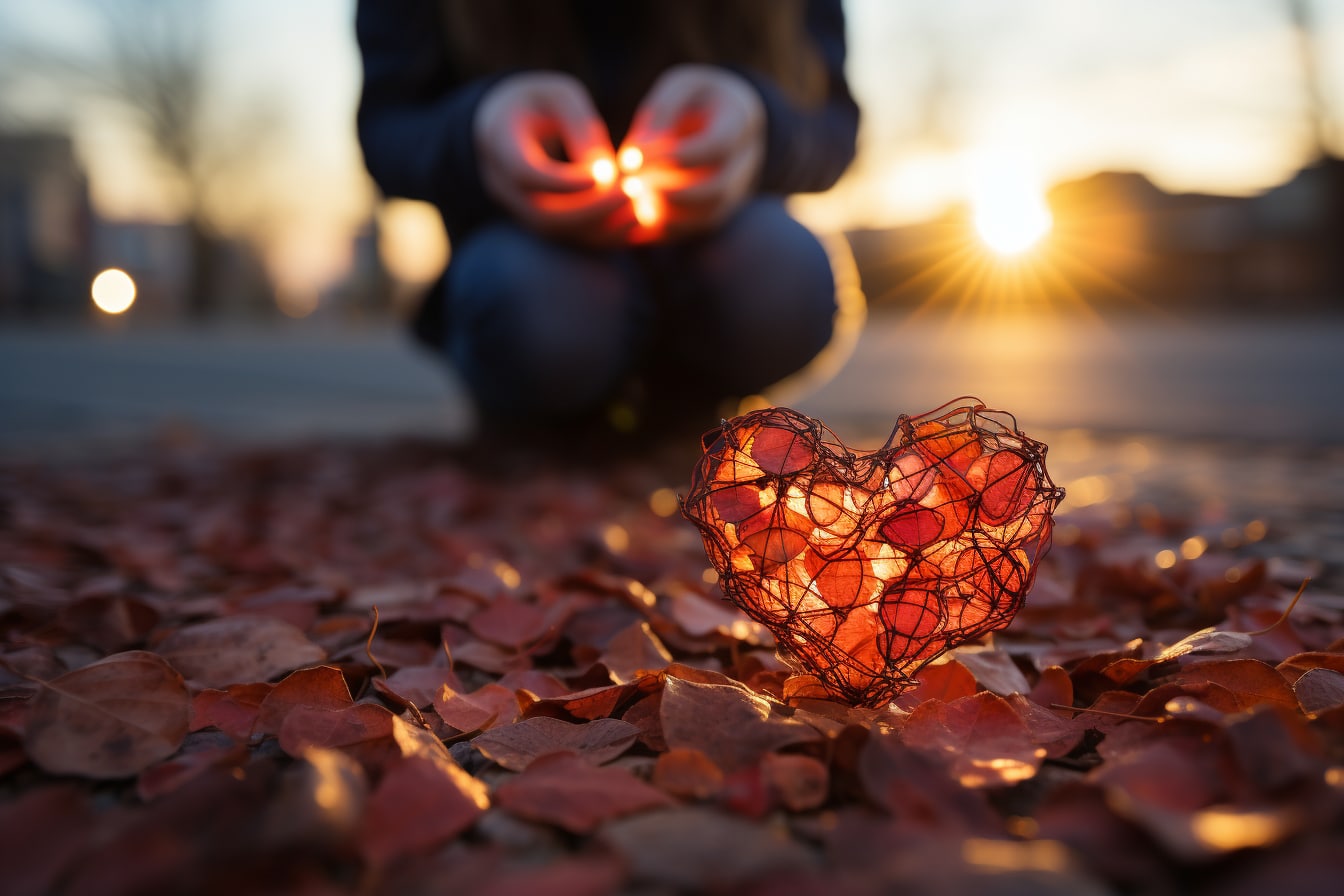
1009	209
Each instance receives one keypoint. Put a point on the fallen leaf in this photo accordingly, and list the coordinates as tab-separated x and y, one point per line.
687	774
982	739
317	687
732	727
1299	664
699	850
1207	640
1320	690
111	719
940	681
238	649
634	651
1252	682
418	805
801	783
566	791
516	746
489	705
233	710
995	671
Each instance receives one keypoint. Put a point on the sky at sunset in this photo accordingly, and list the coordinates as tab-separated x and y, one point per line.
1198	94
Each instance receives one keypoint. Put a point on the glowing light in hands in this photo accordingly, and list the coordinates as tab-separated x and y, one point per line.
630	159
604	172
113	291
1010	212
643	200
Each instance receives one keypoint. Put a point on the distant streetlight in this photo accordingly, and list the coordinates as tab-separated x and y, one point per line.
113	291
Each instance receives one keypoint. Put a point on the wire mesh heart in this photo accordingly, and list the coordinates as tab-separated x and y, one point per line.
867	566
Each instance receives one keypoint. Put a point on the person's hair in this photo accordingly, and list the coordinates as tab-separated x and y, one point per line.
768	36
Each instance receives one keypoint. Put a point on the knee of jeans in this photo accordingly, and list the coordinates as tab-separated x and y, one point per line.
537	328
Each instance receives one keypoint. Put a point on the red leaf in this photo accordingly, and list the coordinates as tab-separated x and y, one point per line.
1252	682
688	774
945	681
232	710
418	805
318	687
564	790
363	729
518	745
983	740
111	719
732	727
419	684
238	649
486	707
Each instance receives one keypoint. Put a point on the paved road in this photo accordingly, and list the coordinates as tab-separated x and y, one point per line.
1221	420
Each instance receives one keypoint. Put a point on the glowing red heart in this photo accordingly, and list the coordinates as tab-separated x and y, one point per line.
867	566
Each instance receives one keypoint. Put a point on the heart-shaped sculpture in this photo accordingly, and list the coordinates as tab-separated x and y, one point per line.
867	566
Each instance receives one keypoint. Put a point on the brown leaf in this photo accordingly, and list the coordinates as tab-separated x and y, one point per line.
419	684
732	727
238	649
484	708
1206	640
1320	690
111	719
699	850
418	805
801	783
1299	664
566	791
510	622
1252	682
995	670
516	746
633	651
687	774
983	740
1056	734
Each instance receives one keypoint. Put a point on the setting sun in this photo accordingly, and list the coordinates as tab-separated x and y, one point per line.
1009	209
113	291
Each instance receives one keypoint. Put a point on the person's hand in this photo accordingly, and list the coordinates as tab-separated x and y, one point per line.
702	131
537	135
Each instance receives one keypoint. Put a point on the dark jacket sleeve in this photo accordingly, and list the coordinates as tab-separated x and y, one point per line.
809	147
414	120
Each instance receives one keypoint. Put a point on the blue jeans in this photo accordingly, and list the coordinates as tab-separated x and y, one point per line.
542	331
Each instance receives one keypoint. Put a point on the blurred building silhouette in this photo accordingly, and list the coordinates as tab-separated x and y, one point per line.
45	223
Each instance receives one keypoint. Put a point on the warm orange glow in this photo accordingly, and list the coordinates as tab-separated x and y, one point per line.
642	199
604	172
634	187
113	291
412	241
631	159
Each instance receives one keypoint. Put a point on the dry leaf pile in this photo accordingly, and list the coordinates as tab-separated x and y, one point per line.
195	697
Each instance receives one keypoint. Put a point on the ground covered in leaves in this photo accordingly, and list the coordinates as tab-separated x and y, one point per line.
394	669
